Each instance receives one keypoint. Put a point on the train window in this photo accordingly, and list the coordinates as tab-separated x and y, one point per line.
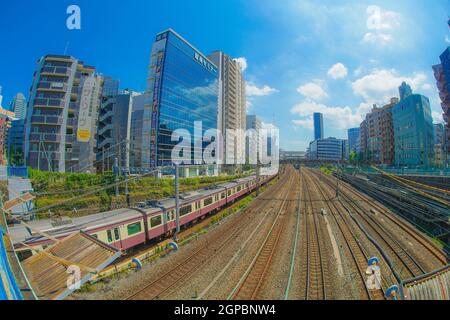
197	205
207	202
116	234
185	210
155	221
229	192
216	197
94	235
110	239
223	195
134	228
239	188
246	185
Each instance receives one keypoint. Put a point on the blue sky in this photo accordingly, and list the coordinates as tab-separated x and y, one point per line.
337	57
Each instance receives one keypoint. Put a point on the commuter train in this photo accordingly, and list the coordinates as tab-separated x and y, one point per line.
151	220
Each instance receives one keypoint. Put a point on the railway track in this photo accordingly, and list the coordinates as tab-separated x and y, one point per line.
405	264
358	252
175	276
316	285
251	281
405	226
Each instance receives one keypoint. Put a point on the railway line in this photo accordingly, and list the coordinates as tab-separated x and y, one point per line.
297	240
251	281
357	198
184	270
359	254
405	264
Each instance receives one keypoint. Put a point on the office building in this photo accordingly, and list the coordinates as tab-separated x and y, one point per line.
318	126
19	106
377	134
232	108
442	75
353	139
6	117
413	131
253	127
136	130
440	148
114	126
62	115
16	137
183	88
330	149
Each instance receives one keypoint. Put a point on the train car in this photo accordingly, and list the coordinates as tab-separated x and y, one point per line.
129	227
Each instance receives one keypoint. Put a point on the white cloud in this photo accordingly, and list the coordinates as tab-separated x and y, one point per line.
242	63
426	86
336	117
380	25
377	38
437	117
338	71
313	90
382	84
253	91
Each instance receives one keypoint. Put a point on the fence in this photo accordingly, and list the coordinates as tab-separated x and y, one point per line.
8	286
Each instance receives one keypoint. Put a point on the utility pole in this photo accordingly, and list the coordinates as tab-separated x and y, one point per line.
257	176
177	202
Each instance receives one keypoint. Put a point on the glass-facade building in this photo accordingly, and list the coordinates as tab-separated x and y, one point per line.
183	88
318	126
413	131
327	149
353	139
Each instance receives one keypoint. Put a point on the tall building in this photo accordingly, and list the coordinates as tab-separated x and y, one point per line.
114	126
183	88
318	126
232	107
6	117
19	106
440	140
62	115
136	130
404	90
253	122
15	139
442	75
353	139
413	131
331	149
377	135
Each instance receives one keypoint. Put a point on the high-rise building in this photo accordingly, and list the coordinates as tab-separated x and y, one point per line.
327	149
404	90
442	75
62	115
137	116
413	131
16	135
377	135
19	106
114	126
6	117
353	139
440	140
232	107
254	124
183	88
318	126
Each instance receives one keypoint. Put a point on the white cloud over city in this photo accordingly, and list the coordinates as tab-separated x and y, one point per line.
313	90
242	62
255	91
338	71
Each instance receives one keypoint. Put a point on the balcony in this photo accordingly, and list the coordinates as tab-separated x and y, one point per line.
46	137
105	116
52	86
46	120
56	71
48	103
